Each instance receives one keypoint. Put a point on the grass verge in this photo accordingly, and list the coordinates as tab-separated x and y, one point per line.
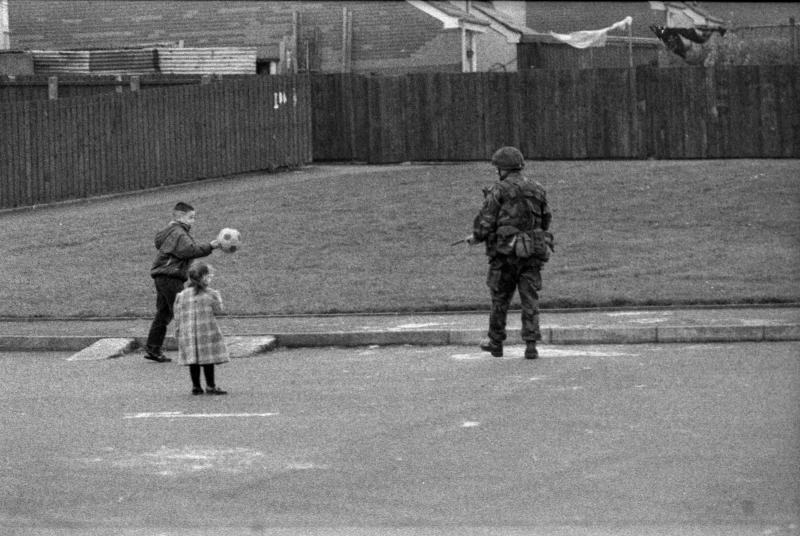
336	238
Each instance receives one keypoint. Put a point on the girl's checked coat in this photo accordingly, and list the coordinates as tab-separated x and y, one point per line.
200	341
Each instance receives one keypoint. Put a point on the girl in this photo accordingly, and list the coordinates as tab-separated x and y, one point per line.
200	340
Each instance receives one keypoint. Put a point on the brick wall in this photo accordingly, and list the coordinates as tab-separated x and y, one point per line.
394	32
68	24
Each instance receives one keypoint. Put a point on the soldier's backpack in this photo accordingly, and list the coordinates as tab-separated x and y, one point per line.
525	239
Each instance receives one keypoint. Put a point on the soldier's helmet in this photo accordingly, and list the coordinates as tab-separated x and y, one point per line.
508	158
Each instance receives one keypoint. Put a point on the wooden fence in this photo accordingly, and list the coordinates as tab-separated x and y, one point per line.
53	150
720	112
66	86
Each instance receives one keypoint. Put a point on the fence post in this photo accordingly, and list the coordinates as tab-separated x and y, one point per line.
52	87
793	38
205	79
135	82
347	39
118	87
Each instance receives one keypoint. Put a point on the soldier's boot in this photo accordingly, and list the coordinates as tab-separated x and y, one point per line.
530	350
496	348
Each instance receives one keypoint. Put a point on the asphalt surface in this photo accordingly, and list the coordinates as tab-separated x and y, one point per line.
618	326
646	439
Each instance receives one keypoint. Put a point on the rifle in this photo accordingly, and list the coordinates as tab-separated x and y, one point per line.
462	241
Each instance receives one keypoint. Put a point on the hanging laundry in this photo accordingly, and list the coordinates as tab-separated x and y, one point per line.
679	40
592	38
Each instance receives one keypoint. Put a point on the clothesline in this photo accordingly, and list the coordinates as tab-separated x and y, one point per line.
592	38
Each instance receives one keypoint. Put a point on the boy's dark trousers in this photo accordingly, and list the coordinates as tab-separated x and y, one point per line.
167	288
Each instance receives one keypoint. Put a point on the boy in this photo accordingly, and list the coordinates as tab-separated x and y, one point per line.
176	249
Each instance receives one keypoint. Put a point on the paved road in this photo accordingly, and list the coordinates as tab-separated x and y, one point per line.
629	439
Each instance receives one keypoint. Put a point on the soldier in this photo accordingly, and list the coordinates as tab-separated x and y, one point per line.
513	223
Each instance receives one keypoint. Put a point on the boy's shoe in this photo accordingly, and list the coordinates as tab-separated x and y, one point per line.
496	348
158	358
215	391
530	351
197	391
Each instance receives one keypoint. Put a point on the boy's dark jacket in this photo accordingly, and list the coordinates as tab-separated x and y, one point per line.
176	249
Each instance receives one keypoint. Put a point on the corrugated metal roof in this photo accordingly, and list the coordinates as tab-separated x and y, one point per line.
127	60
130	61
64	61
228	60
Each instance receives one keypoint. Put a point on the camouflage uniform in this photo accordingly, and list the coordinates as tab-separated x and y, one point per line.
498	222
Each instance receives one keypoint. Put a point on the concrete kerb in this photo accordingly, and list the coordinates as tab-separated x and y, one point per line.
782	333
557	336
95	347
46	343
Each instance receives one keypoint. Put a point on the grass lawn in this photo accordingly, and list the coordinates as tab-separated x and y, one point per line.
338	238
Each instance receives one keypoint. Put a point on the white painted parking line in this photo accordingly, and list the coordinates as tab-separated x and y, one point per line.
180	414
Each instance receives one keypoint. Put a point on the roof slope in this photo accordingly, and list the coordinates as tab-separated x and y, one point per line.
453	11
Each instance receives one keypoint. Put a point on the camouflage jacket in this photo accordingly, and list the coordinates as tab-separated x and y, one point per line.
512	204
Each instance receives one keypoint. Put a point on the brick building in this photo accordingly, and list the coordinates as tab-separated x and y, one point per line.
367	37
387	37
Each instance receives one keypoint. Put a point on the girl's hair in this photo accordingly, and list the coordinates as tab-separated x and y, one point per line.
197	271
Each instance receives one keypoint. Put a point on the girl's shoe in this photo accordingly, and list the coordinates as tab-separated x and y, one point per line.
215	391
197	391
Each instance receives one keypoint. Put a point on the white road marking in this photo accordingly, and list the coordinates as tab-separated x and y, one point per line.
759	322
189	459
639	313
518	351
558	352
180	414
470	424
194	459
302	466
418	326
653	318
470	356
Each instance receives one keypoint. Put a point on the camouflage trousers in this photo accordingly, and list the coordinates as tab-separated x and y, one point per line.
506	275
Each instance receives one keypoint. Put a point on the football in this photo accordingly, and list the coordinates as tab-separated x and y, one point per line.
229	240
